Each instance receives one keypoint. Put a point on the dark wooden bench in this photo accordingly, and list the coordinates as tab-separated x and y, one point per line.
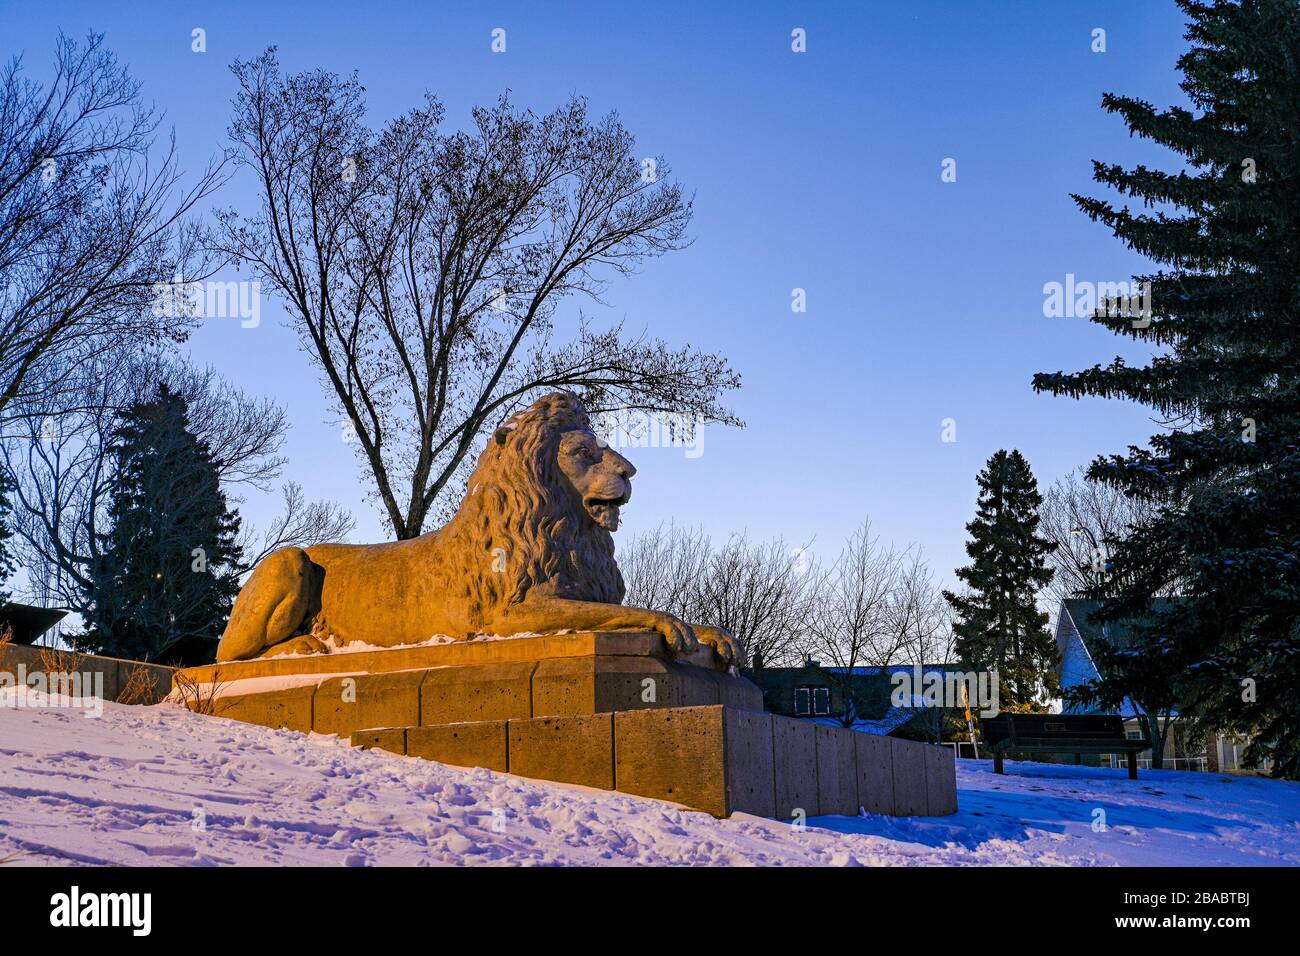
1061	733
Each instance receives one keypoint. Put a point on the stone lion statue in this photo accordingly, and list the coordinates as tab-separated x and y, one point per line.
528	551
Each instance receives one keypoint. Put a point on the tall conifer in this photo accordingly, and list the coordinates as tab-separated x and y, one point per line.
999	625
1224	312
169	564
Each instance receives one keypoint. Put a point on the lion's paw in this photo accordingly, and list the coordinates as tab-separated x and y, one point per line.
304	644
723	644
677	634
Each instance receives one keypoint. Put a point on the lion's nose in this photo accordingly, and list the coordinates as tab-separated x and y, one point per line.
622	467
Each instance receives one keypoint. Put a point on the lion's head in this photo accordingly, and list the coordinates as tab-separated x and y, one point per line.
539	509
598	475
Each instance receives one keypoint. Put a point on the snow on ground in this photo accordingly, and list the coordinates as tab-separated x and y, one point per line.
438	640
128	788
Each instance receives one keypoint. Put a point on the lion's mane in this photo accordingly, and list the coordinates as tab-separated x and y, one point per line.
521	525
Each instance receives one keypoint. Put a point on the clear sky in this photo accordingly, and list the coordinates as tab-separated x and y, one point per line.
818	170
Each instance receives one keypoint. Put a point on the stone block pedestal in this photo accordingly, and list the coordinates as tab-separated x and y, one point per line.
712	758
427	685
612	711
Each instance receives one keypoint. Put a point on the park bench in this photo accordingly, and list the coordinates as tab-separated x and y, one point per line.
1061	733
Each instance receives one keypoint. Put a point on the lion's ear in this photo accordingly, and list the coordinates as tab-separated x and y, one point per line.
501	434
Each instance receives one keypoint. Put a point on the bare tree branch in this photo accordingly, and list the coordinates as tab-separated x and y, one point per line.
301	524
90	222
59	464
1086	519
423	268
758	592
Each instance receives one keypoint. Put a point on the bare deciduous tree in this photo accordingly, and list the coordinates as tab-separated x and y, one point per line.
662	569
1085	519
760	592
853	621
423	268
873	607
919	617
90	221
924	622
757	591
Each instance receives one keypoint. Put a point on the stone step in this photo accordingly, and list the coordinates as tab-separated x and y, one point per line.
376	660
714	758
427	685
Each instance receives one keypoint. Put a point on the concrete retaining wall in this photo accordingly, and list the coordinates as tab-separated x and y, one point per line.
111	673
713	758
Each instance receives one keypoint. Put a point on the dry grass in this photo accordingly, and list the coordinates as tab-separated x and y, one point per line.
200	698
139	686
55	661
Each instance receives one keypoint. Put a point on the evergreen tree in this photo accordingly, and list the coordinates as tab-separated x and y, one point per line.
999	626
1225	315
169	564
6	561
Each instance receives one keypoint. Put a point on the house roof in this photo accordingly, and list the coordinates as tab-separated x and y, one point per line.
1073	670
29	622
1115	633
893	669
893	718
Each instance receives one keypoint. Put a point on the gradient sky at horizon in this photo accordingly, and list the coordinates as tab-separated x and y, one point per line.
818	170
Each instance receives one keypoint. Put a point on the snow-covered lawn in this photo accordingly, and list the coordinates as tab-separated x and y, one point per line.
128	788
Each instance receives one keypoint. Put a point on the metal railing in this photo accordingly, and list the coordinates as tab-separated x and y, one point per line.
1194	764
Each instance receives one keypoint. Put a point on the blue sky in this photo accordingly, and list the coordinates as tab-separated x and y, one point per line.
818	170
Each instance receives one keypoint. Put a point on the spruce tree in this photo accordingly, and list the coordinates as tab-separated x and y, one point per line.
6	560
1224	315
999	626
168	566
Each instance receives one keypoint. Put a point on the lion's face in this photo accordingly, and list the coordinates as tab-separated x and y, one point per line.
600	476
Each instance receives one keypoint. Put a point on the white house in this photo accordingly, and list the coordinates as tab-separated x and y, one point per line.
1076	632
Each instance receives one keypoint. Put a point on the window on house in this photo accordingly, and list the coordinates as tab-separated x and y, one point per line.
814	701
821	700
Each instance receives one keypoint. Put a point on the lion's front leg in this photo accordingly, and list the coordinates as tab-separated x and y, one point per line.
546	614
721	640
